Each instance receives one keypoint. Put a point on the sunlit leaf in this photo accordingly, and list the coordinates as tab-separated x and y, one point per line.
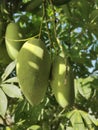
69	128
34	127
8	70
84	86
77	121
86	119
3	103
93	119
11	90
11	80
70	113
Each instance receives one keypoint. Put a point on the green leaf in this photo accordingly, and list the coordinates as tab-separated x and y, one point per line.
69	114
11	80
93	119
87	91
86	119
8	70
69	128
34	127
3	103
95	84
12	90
94	16
77	121
84	86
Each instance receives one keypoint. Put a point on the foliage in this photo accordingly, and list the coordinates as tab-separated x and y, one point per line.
65	25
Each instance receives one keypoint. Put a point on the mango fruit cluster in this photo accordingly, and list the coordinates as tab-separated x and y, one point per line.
34	67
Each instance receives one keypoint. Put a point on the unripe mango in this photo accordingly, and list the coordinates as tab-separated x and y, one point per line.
33	68
62	82
12	35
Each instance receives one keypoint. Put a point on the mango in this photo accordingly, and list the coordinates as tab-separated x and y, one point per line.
33	69
12	39
62	81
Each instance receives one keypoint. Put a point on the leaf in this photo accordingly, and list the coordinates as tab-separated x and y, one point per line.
34	127
77	121
69	128
93	119
84	86
12	90
69	114
89	79
87	91
11	80
86	119
3	103
87	87
8	70
95	84
94	16
8	128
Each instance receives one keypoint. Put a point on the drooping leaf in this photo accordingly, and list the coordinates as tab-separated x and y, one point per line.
3	103
12	90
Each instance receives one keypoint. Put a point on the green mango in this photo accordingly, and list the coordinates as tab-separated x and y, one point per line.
33	68
12	35
62	81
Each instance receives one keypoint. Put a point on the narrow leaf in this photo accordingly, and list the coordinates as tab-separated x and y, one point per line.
3	103
8	70
11	80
